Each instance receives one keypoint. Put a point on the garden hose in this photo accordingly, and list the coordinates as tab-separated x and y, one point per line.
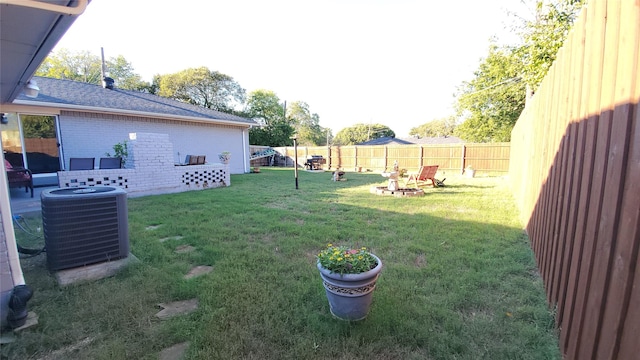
24	227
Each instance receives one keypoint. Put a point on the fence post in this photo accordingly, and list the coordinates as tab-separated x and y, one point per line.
355	157
386	158
464	157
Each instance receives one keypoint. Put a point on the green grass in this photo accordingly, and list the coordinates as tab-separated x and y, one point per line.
459	280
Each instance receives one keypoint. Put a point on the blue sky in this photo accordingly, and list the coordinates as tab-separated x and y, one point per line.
395	62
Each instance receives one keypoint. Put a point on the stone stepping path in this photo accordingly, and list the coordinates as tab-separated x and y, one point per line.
199	270
175	308
65	352
183	249
152	227
178	237
176	352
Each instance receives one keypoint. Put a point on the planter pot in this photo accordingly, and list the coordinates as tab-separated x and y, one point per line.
350	295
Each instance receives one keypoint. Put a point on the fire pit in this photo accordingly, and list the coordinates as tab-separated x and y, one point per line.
393	188
383	190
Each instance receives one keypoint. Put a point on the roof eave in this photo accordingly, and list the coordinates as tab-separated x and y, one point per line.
40	104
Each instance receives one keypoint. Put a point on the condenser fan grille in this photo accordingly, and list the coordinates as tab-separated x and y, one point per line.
83	228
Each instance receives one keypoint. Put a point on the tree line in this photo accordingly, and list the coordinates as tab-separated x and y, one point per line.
486	107
201	87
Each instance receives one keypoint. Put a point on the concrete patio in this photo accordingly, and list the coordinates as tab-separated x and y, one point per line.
22	202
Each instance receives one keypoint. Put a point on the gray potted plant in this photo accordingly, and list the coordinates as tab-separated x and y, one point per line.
224	157
349	277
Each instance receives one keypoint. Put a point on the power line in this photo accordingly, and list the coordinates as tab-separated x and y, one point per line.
515	79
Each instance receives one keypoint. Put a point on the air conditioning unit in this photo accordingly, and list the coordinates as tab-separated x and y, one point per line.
84	225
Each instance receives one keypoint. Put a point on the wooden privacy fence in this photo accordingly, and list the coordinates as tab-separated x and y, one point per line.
575	167
487	158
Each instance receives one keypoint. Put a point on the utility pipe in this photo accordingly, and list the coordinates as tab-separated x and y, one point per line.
60	9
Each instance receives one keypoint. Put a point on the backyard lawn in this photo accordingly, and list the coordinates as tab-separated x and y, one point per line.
459	279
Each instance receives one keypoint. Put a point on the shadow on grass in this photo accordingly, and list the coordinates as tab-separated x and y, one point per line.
458	281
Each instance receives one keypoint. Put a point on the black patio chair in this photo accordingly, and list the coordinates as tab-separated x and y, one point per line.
81	164
111	163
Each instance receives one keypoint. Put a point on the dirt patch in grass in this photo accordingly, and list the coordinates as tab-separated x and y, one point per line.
421	261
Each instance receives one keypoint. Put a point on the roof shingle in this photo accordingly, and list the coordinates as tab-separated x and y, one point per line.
72	94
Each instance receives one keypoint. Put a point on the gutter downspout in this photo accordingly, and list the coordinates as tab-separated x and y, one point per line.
7	225
59	9
245	136
15	315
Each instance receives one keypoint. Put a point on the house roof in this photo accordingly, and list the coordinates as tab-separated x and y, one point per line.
28	32
434	140
80	96
414	140
386	140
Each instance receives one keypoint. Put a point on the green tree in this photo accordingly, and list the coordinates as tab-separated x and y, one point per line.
264	107
307	125
435	128
543	37
359	133
122	72
80	66
492	102
202	87
38	126
85	67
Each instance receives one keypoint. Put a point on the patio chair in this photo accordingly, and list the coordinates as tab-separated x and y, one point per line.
426	173
191	160
195	159
19	177
81	164
111	163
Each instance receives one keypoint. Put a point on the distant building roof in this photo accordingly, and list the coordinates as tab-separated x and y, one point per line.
434	140
385	141
79	96
414	140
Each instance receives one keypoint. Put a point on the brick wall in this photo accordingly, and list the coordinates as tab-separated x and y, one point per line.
151	170
92	135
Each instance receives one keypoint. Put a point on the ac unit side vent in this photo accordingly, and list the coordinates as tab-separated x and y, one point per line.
83	226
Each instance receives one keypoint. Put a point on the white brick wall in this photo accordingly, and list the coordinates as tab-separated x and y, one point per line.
92	135
152	170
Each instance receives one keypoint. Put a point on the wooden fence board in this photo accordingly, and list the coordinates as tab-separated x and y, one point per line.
550	194
577	150
621	262
566	169
629	346
611	177
626	161
588	133
575	154
490	158
596	59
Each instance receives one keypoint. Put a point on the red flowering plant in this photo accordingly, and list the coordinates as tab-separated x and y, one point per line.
344	260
